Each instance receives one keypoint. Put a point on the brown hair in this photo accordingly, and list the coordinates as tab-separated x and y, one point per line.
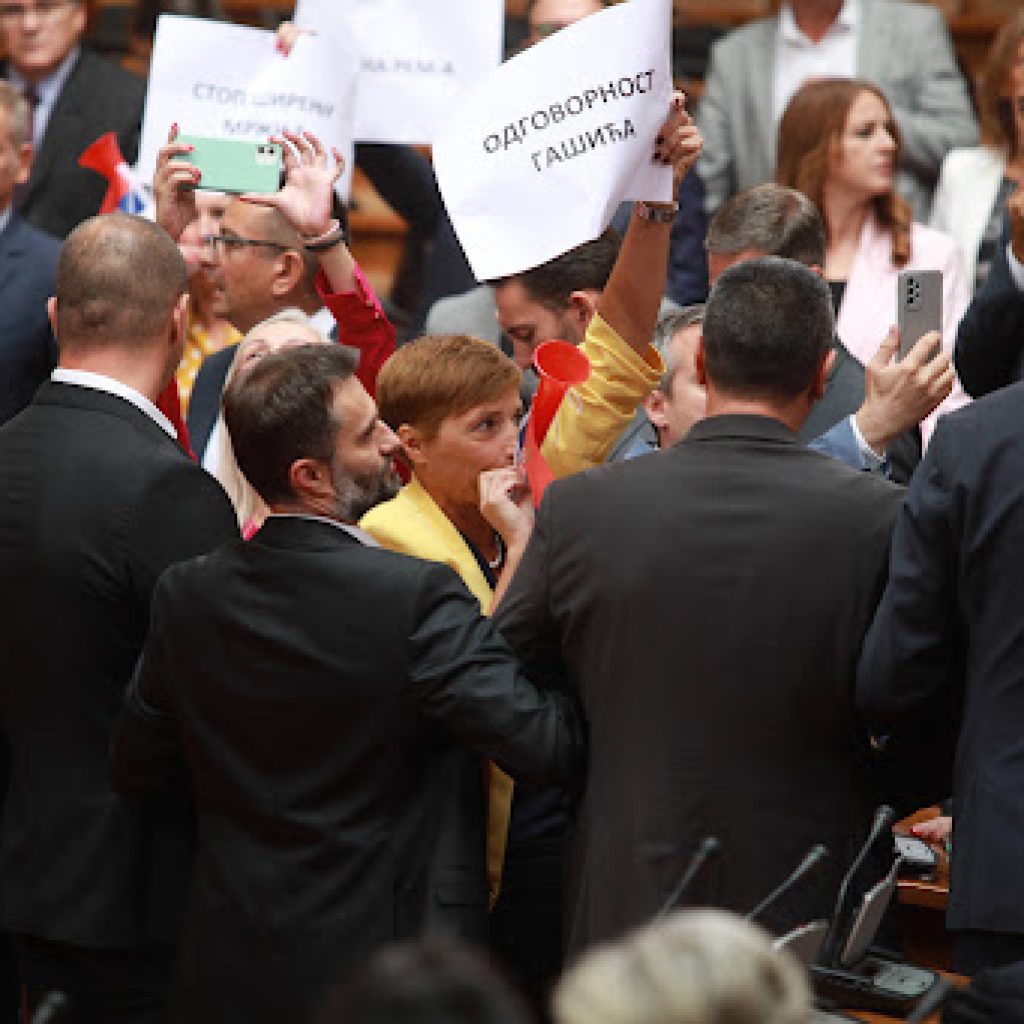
997	122
442	375
810	134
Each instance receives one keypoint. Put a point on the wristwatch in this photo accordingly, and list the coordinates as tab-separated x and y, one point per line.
657	213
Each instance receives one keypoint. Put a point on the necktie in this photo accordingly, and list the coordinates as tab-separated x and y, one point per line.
32	99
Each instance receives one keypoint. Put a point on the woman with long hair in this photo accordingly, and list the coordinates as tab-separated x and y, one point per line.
976	181
839	144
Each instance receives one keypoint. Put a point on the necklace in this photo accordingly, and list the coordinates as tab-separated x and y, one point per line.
500	557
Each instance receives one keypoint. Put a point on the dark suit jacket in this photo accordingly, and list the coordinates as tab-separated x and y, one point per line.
989	351
708	602
28	264
204	403
97	501
317	690
949	636
98	97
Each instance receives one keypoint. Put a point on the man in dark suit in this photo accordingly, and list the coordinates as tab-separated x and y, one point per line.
317	689
28	262
947	646
709	601
989	352
98	500
76	97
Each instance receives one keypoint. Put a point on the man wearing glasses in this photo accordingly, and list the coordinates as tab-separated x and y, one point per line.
75	97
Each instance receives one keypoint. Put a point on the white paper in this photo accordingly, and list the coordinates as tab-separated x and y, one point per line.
536	159
416	57
229	81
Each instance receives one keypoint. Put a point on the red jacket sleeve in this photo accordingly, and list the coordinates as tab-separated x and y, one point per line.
362	324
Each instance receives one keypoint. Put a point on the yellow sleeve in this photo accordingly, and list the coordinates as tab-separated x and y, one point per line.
594	414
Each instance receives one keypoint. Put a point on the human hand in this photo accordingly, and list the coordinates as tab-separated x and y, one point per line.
288	34
1015	207
174	184
506	504
935	830
899	394
308	193
679	141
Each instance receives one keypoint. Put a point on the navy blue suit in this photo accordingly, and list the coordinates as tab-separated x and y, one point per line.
28	352
989	351
947	643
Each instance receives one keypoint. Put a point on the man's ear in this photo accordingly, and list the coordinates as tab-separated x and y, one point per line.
700	359
310	478
288	272
51	313
654	406
821	377
411	440
582	307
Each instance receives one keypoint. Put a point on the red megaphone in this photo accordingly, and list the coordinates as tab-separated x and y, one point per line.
559	365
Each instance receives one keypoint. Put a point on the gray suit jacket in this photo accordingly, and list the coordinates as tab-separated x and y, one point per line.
904	48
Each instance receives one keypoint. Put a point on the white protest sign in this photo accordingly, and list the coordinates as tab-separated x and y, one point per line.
229	81
536	159
416	56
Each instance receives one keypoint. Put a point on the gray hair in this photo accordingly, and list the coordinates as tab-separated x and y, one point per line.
695	967
772	220
668	327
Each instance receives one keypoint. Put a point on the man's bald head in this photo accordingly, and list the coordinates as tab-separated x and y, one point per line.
119	279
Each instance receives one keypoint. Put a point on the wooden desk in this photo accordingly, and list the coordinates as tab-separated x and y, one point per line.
921	911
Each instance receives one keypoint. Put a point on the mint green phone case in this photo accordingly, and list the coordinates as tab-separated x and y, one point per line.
229	165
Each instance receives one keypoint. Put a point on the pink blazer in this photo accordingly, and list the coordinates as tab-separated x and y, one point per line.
869	304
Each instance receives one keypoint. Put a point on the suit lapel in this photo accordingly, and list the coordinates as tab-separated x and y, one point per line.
11	249
761	112
64	123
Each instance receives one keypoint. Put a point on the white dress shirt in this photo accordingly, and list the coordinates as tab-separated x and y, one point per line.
101	382
799	59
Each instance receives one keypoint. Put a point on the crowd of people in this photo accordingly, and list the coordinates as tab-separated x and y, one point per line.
315	706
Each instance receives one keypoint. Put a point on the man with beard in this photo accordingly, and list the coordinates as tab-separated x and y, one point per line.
325	697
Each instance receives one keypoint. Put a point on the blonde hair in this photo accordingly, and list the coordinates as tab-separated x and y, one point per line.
249	506
695	967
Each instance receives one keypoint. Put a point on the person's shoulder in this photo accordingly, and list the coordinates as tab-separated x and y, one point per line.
43	245
930	245
745	37
92	66
907	12
964	162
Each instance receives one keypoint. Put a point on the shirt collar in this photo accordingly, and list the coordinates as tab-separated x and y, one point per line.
353	531
5	218
101	382
847	21
48	89
323	321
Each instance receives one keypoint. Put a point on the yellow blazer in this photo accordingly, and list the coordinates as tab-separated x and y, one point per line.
412	523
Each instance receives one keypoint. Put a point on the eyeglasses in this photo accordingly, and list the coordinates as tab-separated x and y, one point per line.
43	9
230	242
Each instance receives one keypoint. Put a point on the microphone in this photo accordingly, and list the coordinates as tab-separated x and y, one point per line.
709	848
884	817
51	1009
814	856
